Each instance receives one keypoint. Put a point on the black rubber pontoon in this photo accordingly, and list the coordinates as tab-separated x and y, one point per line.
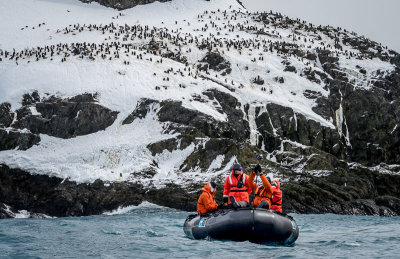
255	225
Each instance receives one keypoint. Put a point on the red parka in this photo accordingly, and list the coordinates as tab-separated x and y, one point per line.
276	200
206	200
239	191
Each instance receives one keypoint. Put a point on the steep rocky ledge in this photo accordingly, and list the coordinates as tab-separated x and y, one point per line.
358	192
123	4
54	116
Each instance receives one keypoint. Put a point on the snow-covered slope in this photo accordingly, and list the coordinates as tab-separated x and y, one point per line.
115	60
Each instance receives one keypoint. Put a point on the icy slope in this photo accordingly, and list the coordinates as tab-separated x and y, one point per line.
78	48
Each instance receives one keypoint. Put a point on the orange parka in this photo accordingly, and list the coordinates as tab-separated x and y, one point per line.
263	192
206	200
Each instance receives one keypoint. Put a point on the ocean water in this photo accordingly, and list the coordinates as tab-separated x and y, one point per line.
150	231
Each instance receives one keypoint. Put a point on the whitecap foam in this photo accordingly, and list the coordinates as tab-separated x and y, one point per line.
123	210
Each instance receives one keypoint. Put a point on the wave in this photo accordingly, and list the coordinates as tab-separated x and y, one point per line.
144	205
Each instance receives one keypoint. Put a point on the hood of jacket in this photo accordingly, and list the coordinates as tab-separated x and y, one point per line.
278	184
207	188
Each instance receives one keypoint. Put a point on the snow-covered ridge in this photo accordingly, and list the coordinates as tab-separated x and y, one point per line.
126	56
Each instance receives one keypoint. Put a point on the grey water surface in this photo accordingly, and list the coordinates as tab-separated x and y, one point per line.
149	231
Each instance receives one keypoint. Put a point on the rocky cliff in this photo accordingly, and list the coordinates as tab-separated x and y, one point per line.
154	112
123	4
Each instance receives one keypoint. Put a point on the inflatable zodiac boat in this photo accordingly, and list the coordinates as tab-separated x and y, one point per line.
255	225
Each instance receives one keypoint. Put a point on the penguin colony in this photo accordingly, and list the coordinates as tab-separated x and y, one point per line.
221	31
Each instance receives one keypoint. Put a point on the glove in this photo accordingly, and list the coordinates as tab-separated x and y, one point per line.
257	169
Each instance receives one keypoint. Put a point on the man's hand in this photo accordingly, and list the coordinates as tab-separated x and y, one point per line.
257	170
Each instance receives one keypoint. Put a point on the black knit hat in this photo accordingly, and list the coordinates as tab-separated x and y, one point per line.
213	185
237	167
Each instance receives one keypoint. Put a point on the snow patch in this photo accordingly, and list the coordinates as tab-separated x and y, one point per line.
340	121
34	112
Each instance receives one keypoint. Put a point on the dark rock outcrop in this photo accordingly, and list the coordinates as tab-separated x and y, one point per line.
182	119
11	139
6	116
280	123
141	110
258	80
205	154
215	62
57	197
122	4
238	127
370	116
359	191
225	137
4	212
64	118
41	194
10	212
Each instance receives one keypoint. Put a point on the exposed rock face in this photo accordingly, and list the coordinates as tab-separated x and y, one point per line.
6	116
215	62
140	111
370	117
57	197
11	139
64	118
337	193
372	120
258	80
358	191
4	214
277	123
122	4
10	212
203	124
225	137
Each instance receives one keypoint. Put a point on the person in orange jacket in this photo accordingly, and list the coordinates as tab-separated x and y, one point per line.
263	193
276	199
206	202
237	188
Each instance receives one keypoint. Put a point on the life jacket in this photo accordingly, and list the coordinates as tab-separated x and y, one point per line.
237	187
261	195
260	191
276	199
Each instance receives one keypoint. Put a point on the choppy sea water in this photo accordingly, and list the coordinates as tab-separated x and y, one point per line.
150	231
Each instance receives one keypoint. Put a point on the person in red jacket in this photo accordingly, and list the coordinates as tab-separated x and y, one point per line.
237	188
206	202
276	200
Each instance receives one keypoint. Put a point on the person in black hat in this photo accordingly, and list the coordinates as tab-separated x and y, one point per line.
237	188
